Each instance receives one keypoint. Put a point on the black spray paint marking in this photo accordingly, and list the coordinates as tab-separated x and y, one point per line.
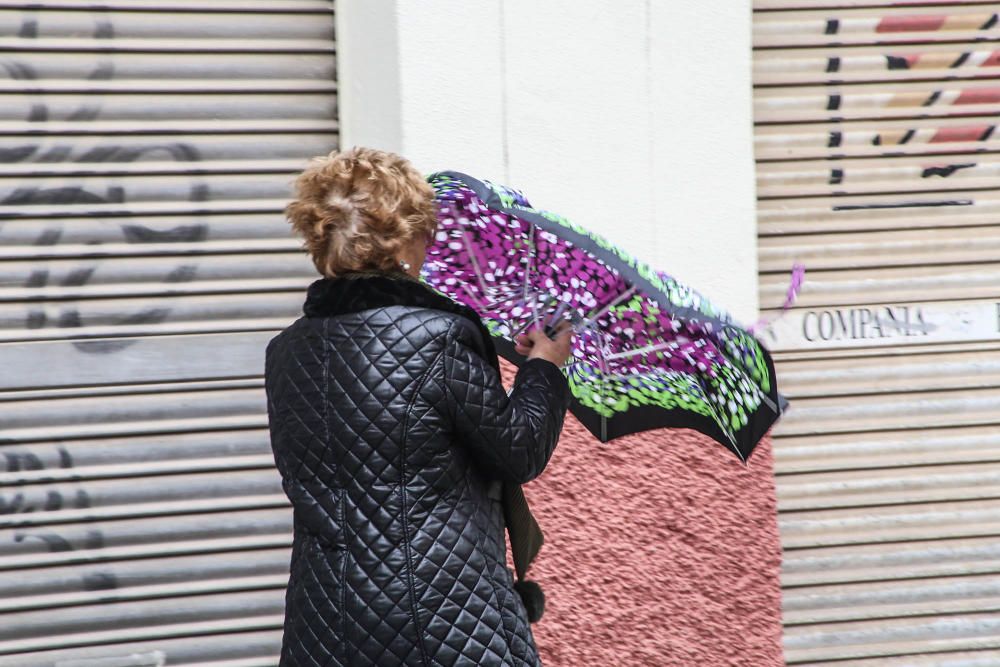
919	204
18	503
100	581
57	543
897	62
90	109
179	234
21	461
945	171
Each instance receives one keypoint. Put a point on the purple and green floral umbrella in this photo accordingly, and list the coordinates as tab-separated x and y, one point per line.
648	352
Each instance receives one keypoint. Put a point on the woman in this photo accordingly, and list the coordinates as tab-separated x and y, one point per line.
392	434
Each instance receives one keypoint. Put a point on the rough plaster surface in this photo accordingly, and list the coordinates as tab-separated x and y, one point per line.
660	549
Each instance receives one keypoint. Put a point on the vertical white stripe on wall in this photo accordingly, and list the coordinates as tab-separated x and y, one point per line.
630	117
452	99
580	137
368	71
702	133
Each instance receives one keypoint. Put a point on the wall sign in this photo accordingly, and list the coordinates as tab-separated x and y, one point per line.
885	324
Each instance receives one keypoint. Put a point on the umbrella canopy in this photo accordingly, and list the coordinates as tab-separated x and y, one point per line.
648	353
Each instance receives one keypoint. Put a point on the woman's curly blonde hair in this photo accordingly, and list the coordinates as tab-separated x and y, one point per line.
355	209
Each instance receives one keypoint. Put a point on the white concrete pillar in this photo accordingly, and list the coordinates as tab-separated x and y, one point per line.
631	117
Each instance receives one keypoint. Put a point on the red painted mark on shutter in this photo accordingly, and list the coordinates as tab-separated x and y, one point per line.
966	133
927	23
979	96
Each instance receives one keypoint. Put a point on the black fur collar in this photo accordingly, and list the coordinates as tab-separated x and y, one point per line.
354	292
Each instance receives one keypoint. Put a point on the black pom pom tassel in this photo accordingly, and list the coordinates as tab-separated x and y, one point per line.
532	597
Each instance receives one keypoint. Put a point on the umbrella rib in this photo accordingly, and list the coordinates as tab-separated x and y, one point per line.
480	301
531	261
725	430
642	350
534	320
721	422
527	277
475	262
618	299
509	298
767	400
560	309
601	348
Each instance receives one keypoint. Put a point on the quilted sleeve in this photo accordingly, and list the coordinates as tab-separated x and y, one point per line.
511	437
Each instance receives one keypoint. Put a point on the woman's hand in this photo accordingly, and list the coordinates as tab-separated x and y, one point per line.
536	345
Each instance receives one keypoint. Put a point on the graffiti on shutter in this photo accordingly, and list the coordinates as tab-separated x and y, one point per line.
147	151
876	148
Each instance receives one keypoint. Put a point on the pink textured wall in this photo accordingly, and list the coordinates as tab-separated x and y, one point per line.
660	549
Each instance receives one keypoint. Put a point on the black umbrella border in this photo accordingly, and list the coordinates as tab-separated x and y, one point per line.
644	417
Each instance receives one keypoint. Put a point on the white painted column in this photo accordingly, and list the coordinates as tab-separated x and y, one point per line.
631	117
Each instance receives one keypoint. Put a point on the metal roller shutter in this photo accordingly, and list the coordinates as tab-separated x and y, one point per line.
147	148
878	169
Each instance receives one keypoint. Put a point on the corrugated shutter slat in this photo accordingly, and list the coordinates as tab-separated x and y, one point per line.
877	169
147	148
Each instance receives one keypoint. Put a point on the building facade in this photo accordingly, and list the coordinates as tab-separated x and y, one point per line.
148	151
149	148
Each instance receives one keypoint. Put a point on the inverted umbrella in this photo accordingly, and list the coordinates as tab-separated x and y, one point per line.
648	353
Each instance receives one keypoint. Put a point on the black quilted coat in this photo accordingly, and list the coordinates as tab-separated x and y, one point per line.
390	429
